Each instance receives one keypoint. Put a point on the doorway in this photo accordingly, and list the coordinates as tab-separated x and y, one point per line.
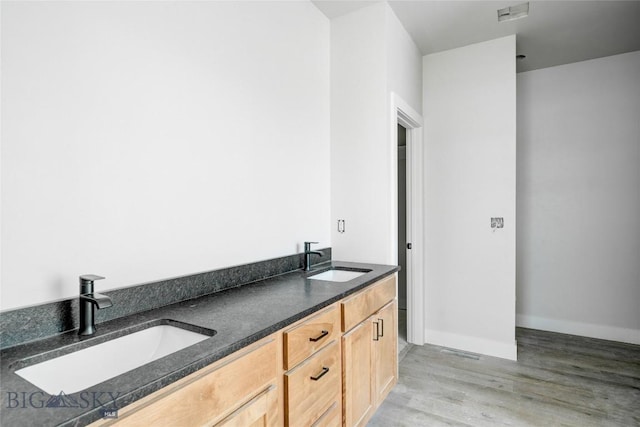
402	237
407	217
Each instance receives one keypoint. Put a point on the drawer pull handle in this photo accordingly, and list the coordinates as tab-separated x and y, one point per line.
377	337
319	337
381	327
321	374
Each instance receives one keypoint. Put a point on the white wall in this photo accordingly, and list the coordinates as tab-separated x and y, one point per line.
404	62
358	89
470	171
144	140
404	79
579	198
371	56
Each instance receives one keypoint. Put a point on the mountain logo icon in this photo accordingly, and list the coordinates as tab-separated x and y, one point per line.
62	401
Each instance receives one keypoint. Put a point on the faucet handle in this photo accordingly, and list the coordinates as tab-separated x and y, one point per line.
88	278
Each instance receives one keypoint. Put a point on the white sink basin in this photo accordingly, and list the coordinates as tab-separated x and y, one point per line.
336	275
92	365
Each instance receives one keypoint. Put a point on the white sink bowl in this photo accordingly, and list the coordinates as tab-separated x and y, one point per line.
336	275
92	365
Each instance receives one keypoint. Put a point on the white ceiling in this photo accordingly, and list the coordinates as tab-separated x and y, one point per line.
335	8
554	33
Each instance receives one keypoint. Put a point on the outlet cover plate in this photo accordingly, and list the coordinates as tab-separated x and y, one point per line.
497	222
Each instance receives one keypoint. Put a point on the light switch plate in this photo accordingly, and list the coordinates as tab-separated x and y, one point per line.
497	222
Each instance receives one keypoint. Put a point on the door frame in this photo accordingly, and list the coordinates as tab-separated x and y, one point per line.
401	113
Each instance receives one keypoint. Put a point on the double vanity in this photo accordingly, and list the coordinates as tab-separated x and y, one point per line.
301	348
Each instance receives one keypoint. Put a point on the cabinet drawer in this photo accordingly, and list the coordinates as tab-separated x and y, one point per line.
258	412
363	304
308	337
205	397
313	386
331	418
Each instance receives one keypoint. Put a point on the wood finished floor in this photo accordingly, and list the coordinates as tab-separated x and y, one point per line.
558	380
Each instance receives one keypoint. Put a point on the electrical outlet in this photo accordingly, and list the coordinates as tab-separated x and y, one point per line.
497	222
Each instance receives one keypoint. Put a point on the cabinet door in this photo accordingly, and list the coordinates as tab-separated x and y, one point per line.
385	350
358	384
261	411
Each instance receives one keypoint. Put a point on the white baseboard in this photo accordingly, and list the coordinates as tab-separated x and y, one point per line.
472	344
612	333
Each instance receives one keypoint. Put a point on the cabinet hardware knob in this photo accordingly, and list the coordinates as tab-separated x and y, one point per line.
321	374
319	337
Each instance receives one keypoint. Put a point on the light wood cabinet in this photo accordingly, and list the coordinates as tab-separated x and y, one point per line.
258	412
331	369
363	304
357	361
313	382
310	335
385	351
313	386
209	395
370	350
331	418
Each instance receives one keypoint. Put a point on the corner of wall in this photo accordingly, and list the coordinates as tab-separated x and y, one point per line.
578	151
603	332
471	344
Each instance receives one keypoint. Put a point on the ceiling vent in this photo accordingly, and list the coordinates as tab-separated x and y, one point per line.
513	12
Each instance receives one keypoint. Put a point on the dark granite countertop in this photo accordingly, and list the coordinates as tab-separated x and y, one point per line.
240	316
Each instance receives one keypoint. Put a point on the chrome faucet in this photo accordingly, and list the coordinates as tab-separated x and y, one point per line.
307	254
88	302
